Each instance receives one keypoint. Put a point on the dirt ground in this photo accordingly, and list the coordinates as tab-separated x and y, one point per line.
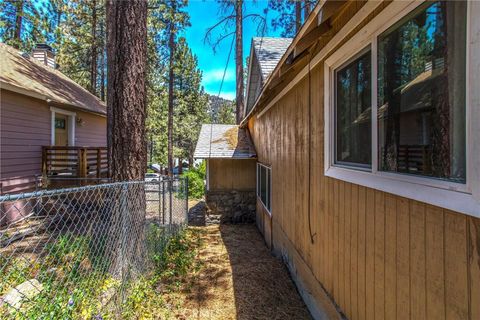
240	279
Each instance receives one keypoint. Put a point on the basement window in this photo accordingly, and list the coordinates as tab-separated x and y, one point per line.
398	106
264	182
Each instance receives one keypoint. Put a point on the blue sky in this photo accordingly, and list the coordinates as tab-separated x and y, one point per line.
204	14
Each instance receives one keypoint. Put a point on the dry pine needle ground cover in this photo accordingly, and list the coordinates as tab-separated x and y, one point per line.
235	277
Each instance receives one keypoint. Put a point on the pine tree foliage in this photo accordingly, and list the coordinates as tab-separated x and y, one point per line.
76	30
23	23
287	17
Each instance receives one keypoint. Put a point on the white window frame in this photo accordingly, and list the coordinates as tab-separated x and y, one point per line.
71	125
269	190
464	198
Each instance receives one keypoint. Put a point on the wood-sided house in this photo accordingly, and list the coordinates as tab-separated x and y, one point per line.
50	125
367	133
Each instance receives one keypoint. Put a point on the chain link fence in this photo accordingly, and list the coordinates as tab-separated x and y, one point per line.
74	253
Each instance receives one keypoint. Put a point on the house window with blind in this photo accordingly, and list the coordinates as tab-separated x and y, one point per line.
264	179
398	104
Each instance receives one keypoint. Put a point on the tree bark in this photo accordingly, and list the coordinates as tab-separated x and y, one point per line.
127	149
306	9
298	16
18	25
102	63
239	58
171	79
126	90
93	50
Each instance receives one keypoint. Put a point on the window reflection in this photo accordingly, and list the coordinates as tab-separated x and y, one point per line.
421	93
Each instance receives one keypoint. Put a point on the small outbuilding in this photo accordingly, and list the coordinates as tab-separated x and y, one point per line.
231	172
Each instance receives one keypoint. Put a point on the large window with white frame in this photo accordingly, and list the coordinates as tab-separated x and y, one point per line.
397	103
264	183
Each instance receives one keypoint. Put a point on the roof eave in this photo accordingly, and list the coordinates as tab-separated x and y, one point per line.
49	100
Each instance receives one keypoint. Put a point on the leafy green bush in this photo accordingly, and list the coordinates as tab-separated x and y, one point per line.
196	177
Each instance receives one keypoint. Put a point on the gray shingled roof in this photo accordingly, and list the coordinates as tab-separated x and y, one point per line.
269	51
224	141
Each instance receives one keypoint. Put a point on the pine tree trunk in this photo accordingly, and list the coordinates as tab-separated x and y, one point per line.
93	50
306	9
18	25
171	78
298	16
126	112
126	94
239	58
102	63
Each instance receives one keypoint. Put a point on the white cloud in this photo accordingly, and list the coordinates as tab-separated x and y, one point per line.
215	75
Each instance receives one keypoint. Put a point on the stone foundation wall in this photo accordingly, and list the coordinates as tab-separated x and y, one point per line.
230	206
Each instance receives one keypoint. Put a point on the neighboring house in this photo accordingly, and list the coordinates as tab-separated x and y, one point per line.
43	111
231	160
367	134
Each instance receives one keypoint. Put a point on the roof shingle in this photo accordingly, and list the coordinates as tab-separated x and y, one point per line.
224	141
30	76
269	51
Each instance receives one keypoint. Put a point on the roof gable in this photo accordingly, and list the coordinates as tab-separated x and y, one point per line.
269	51
25	75
264	55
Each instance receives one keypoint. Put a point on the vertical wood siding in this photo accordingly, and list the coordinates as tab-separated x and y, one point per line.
378	255
232	174
24	128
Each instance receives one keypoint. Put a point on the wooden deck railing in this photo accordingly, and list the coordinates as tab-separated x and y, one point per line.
74	162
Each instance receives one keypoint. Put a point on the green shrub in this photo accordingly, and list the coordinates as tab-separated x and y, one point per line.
196	177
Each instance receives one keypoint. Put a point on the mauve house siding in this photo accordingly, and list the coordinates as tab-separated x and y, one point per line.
25	128
92	131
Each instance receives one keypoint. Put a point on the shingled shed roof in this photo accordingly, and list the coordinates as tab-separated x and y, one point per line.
24	74
224	141
269	51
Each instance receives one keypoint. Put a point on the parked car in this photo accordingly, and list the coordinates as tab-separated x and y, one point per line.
152	177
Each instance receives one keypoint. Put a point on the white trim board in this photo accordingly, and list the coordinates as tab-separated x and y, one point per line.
464	198
71	125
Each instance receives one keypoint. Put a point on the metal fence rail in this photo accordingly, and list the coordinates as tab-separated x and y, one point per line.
72	253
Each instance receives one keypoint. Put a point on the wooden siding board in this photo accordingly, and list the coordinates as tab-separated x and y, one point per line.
434	263
379	248
474	267
370	255
361	258
331	234
456	273
403	259
354	253
341	245
390	257
417	262
347	250
336	241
